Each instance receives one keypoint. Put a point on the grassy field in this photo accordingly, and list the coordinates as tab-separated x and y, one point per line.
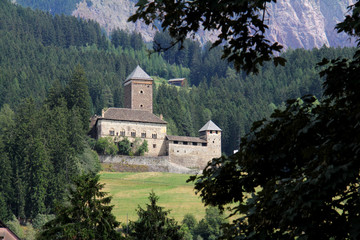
132	189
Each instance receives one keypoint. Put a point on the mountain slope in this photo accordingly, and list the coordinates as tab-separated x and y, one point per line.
293	23
113	14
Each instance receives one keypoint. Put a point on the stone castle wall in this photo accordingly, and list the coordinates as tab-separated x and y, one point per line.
138	95
156	146
154	164
213	139
188	154
191	156
127	96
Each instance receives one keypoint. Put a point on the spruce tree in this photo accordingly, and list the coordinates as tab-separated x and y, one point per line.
77	95
86	215
154	223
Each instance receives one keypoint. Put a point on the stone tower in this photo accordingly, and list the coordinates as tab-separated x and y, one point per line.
212	134
138	90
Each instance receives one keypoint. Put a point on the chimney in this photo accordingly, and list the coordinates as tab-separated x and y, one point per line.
102	112
161	117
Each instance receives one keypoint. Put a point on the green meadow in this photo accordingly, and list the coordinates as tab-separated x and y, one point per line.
129	190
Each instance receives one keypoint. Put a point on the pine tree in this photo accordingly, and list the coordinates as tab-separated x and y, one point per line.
87	214
154	223
37	178
107	97
78	96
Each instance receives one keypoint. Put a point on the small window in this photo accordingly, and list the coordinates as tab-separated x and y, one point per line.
133	134
210	131
213	141
143	135
154	145
141	105
176	142
141	91
154	135
194	143
185	143
122	133
204	144
112	132
217	132
117	133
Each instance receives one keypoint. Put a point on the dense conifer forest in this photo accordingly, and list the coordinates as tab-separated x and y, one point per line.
39	49
56	71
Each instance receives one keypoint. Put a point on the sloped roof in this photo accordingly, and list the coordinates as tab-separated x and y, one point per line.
210	126
6	232
176	79
132	115
185	139
138	74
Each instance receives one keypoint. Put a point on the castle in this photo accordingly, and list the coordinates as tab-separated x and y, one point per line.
137	120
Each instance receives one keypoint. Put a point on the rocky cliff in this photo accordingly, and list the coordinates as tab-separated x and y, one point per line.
113	14
307	23
293	23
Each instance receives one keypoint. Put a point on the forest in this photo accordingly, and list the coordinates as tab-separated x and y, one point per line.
39	49
56	71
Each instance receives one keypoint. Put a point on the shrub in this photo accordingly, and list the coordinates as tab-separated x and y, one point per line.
41	219
142	148
106	146
14	225
124	146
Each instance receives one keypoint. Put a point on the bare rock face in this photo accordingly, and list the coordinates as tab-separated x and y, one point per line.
334	12
113	14
293	23
307	23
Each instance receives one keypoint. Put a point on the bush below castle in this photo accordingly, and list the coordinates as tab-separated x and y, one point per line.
107	146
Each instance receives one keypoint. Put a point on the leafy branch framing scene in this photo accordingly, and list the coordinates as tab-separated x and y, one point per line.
289	118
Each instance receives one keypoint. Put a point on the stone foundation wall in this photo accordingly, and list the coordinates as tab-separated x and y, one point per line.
138	160
154	164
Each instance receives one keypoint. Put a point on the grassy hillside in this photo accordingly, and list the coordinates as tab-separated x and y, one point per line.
132	189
